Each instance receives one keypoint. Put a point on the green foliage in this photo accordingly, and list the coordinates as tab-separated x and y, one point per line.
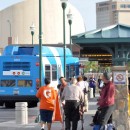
128	66
92	66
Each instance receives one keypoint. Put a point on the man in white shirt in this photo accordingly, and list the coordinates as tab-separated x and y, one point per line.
72	95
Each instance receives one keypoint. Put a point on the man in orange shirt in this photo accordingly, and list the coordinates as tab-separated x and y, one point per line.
47	95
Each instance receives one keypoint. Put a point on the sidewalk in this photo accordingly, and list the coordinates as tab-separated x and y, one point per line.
11	125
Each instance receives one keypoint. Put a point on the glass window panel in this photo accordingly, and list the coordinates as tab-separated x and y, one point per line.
77	70
54	72
24	83
113	6
8	83
54	67
47	67
72	70
67	73
47	75
54	75
47	71
123	6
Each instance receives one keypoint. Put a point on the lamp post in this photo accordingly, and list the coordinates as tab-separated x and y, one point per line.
9	26
32	29
64	5
69	16
40	42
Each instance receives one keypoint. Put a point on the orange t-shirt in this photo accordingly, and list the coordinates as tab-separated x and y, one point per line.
47	96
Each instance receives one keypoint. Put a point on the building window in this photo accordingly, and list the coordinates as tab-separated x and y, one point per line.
123	6
104	4
103	9
128	6
113	6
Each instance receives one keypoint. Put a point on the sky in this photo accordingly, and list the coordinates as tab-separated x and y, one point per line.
87	8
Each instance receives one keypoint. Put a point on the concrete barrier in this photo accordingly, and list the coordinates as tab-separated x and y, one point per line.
91	93
21	113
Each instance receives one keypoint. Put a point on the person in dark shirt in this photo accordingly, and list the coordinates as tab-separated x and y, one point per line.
92	84
99	81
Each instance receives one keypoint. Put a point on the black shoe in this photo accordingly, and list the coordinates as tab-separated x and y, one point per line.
42	129
92	124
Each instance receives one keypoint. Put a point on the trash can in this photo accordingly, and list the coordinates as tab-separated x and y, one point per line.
21	113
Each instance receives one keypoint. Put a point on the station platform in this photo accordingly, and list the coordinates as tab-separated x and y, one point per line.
11	125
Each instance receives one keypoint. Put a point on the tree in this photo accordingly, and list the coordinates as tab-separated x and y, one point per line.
91	66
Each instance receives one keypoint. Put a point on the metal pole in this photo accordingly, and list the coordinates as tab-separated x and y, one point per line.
64	38
10	29
40	42
70	22
32	32
9	26
32	39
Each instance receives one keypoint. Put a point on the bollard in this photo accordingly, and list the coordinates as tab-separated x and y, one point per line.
21	113
91	92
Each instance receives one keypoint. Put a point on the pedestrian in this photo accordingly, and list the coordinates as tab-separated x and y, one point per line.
83	84
96	117
100	82
106	101
92	84
73	96
62	85
47	96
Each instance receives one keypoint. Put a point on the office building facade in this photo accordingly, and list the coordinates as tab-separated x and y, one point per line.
112	12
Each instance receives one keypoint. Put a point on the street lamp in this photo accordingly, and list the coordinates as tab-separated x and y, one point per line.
69	16
64	5
9	26
32	29
40	41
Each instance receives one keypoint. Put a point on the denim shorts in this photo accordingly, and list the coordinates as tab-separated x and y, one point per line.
46	115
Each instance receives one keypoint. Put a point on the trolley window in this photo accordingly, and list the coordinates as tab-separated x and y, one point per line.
24	83
54	72
72	71
25	50
47	71
8	83
7	66
77	70
67	72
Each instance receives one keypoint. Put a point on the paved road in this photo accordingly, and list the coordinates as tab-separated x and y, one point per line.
7	119
9	114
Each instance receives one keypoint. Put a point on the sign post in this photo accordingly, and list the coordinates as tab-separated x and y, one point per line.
120	115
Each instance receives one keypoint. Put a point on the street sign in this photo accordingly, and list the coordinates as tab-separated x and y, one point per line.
119	77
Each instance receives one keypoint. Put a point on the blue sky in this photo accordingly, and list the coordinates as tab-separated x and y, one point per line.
87	8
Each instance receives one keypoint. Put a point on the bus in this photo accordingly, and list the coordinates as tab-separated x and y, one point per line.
19	71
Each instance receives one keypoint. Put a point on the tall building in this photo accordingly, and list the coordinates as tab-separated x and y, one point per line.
112	12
